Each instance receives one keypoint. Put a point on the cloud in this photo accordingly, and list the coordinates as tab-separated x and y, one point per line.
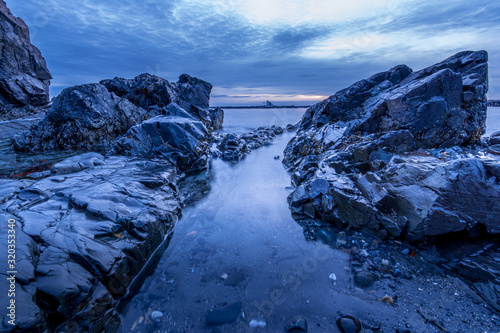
279	48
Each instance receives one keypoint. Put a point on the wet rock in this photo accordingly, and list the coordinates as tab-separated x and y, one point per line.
77	163
257	323
81	117
298	324
156	315
154	93
349	324
234	147
181	140
225	315
9	128
24	77
217	117
394	156
92	116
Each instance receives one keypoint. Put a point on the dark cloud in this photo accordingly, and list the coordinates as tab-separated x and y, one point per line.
92	40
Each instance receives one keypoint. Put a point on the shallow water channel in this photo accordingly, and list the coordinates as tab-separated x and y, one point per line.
238	244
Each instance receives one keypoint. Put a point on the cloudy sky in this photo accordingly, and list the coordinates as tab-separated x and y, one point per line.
256	50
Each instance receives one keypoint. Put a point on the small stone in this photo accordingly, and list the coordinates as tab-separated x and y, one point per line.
156	315
333	277
298	324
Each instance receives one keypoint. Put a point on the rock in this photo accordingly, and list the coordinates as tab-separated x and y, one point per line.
494	138
225	315
24	77
83	117
256	323
217	117
77	163
182	141
394	155
151	92
9	128
349	324
365	279
156	315
234	147
298	324
85	235
93	116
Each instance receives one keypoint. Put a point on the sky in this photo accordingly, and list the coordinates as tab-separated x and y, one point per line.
286	51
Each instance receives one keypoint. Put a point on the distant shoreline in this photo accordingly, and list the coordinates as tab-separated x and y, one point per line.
263	107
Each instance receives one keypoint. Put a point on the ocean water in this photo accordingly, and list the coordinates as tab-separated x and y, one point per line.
245	120
493	121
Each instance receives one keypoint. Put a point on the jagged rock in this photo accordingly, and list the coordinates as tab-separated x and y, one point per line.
24	77
93	116
83	236
383	146
180	139
82	117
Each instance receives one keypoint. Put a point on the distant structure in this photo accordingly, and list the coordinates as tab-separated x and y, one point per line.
269	104
493	103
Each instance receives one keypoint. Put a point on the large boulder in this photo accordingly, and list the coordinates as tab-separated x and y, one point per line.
83	117
152	92
93	116
82	235
396	154
178	137
24	77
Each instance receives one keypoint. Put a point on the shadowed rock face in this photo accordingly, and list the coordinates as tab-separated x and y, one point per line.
24	77
391	154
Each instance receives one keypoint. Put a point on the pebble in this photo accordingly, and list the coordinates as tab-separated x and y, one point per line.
255	323
156	315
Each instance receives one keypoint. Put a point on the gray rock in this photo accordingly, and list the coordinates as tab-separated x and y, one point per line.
84	236
382	150
81	117
24	77
365	278
9	128
151	92
232	147
349	324
217	117
298	324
